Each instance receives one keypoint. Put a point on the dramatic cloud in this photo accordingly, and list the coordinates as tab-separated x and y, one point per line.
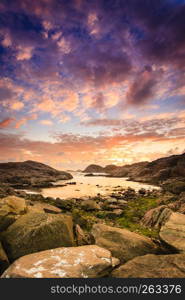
84	66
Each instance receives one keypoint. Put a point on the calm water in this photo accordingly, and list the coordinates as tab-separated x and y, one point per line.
87	186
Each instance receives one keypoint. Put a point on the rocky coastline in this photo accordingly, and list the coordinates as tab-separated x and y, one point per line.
126	233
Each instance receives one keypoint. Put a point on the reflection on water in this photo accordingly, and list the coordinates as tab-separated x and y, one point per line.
91	186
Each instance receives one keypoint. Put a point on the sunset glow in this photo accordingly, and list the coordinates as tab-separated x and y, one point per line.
86	82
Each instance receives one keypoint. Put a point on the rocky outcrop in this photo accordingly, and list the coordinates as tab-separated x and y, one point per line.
4	263
122	243
35	232
153	266
94	169
11	208
173	232
169	170
30	174
156	217
74	262
129	170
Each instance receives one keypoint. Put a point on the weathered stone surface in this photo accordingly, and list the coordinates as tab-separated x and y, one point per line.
182	209
81	238
44	207
173	231
122	243
156	217
76	262
35	232
14	204
4	263
90	205
11	208
153	266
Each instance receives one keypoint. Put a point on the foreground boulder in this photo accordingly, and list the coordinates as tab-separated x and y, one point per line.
4	263
11	208
74	262
35	232
122	243
173	232
153	266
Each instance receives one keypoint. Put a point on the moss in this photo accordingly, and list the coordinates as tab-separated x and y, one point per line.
125	223
130	219
84	219
133	213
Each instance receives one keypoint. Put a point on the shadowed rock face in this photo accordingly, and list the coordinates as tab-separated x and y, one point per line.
167	169
173	231
30	173
35	232
4	263
153	266
74	262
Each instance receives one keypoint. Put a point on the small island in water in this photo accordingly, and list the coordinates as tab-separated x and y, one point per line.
113	221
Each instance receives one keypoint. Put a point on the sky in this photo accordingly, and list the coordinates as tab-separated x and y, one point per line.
91	81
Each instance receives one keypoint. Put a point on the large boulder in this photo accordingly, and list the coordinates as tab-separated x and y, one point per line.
156	217
74	262
122	243
4	263
35	232
153	266
173	232
11	208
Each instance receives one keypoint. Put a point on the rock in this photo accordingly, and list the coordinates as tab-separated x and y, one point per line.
74	262
11	208
153	266
122	203
81	238
4	263
94	169
111	200
30	174
114	214
35	232
122	243
182	197
166	198
182	209
64	204
90	205
14	204
156	217
44	207
142	191
173	231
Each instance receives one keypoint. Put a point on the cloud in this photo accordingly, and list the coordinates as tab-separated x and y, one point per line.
24	120
46	122
6	122
143	88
